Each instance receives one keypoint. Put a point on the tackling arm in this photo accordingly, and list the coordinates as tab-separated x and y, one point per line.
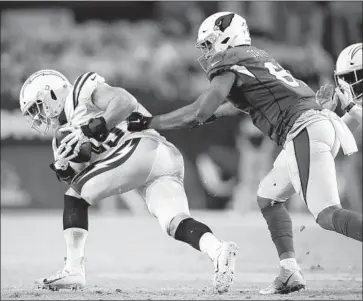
199	111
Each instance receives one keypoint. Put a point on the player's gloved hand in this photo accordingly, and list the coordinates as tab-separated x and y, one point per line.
344	94
326	97
76	136
63	155
138	122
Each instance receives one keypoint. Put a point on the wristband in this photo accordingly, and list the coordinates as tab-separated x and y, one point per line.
349	107
63	175
96	128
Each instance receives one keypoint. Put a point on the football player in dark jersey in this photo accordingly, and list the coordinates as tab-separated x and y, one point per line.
284	109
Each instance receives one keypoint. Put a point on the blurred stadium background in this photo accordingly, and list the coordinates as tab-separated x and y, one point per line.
148	49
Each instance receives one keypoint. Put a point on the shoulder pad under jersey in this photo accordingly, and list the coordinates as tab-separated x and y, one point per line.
223	61
84	86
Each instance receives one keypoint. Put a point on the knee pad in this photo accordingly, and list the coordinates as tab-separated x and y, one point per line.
325	217
190	231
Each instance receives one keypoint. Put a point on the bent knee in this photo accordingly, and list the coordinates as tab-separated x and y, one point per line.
325	217
91	194
172	225
263	202
73	193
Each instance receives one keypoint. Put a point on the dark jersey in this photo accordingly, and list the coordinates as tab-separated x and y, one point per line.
270	94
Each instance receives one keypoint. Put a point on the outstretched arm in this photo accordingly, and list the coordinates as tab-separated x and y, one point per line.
199	111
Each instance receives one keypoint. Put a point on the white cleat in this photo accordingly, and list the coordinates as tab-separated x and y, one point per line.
287	282
224	264
68	278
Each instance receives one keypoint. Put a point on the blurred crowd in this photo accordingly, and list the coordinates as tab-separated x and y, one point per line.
153	56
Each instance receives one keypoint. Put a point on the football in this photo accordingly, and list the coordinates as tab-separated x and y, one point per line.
85	151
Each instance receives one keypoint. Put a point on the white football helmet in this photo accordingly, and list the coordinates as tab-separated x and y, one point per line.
349	69
42	98
219	32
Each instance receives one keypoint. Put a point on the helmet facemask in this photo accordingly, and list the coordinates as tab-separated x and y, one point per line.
42	99
219	32
209	47
354	79
43	112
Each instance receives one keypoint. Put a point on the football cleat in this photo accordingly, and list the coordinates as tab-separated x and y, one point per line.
287	282
72	278
224	264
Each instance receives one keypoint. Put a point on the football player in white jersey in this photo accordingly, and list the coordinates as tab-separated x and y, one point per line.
95	112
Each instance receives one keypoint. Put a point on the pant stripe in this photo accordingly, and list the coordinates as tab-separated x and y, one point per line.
302	155
116	159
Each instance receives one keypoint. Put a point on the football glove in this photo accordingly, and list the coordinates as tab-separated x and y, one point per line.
138	122
344	95
326	97
63	154
61	165
76	136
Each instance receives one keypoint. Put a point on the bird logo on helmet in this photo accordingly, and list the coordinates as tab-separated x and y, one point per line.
219	32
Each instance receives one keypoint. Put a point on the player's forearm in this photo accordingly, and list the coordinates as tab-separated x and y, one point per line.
118	109
189	116
184	117
356	113
353	119
351	123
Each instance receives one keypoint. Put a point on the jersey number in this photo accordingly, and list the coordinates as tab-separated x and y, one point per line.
281	74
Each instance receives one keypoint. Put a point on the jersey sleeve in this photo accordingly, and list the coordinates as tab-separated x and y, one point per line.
84	86
222	62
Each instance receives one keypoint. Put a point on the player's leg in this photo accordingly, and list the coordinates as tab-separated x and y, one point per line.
166	199
273	191
75	231
317	183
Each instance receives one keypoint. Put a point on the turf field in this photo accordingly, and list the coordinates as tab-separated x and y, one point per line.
130	258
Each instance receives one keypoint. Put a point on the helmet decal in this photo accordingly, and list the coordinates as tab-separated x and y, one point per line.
223	22
354	52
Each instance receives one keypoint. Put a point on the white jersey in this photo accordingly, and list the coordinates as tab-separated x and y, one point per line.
79	109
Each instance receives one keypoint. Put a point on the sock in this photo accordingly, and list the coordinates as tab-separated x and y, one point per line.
280	226
75	213
289	263
209	244
348	223
76	241
75	226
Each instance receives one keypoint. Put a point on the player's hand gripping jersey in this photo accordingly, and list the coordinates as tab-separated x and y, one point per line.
79	108
270	94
